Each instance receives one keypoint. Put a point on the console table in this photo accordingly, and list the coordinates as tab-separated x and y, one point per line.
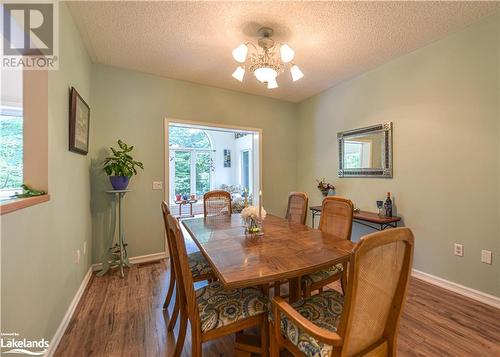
365	218
116	255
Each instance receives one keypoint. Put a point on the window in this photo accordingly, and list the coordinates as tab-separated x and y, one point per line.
245	169
23	137
11	134
11	150
191	161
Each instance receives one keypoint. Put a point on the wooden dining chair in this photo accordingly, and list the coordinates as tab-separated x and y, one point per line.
296	211
199	267
336	219
216	203
365	322
213	311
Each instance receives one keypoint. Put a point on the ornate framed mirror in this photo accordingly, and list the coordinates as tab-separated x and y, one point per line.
366	152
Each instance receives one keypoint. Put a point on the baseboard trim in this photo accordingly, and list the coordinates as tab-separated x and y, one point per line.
148	258
69	314
139	259
457	288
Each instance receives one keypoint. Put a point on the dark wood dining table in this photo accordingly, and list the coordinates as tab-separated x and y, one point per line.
283	250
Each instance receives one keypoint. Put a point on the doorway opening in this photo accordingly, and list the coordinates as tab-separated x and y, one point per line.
201	158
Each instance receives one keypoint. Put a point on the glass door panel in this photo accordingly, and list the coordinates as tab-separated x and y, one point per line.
245	169
182	179
203	172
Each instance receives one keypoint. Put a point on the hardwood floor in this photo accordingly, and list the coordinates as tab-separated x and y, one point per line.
124	317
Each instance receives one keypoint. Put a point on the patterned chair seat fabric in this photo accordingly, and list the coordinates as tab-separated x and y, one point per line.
321	275
198	265
219	307
324	310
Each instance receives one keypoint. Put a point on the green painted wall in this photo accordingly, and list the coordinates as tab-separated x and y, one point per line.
132	106
39	243
444	102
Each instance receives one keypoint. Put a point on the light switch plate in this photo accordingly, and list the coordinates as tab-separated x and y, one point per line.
486	256
157	185
459	250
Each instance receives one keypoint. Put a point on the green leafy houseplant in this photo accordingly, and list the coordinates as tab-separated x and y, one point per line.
121	166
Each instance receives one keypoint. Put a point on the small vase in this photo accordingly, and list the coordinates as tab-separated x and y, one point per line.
119	182
253	226
325	192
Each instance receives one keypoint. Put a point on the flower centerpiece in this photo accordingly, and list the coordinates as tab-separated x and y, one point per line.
253	217
324	187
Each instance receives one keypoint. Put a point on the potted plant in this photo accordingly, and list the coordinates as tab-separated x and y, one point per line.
121	166
325	187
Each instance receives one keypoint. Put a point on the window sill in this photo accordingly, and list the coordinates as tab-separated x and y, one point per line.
20	203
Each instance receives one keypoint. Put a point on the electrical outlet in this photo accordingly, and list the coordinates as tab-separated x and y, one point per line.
157	185
78	256
486	256
84	248
459	250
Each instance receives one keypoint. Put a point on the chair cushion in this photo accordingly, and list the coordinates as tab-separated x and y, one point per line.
324	310
198	265
321	275
220	307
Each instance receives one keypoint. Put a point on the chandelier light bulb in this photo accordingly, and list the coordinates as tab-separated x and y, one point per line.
265	74
296	73
287	54
272	84
239	73
240	53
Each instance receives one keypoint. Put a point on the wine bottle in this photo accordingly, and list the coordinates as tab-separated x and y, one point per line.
388	205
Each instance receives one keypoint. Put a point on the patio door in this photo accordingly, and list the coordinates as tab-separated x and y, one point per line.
192	172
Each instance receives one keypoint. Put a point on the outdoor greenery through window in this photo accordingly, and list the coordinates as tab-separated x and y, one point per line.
191	162
11	151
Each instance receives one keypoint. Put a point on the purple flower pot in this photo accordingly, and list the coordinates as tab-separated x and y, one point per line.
119	182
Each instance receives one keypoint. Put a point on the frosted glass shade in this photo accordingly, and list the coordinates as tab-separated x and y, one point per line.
239	73
272	84
296	73
240	53
265	74
287	54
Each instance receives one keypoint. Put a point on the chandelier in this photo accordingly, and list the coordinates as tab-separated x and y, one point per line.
266	61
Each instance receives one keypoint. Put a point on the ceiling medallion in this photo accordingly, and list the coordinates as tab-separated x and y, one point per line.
266	60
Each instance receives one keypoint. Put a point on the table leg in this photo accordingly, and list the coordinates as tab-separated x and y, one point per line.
294	293
180	210
191	209
313	215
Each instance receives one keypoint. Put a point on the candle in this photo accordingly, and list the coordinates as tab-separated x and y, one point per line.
260	204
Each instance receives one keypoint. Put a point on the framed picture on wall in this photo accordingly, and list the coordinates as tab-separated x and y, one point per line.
227	158
79	123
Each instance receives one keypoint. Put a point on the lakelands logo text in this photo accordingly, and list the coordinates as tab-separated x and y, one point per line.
11	343
30	34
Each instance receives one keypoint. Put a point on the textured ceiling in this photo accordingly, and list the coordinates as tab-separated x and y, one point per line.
333	40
